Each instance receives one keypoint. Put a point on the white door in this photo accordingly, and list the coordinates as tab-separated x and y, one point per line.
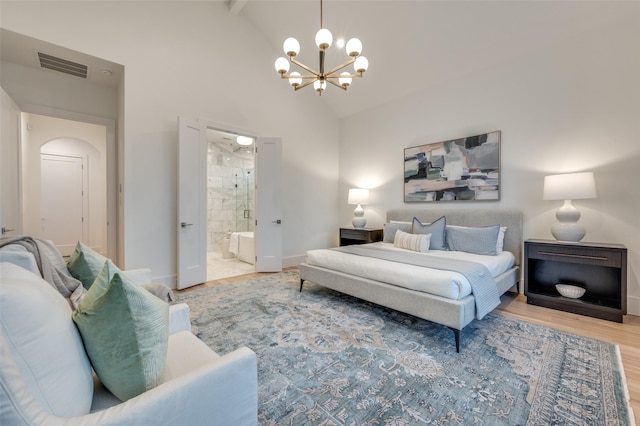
268	231
62	200
192	205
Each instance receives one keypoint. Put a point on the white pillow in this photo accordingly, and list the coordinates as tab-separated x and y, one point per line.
415	242
500	242
45	343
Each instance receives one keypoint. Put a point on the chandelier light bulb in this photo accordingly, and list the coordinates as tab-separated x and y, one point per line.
324	39
295	81
361	64
345	79
319	85
282	65
354	47
291	47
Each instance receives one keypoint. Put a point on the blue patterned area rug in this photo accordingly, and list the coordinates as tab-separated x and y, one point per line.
329	359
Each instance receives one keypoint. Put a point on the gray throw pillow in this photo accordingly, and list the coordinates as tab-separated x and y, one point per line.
389	232
435	228
481	240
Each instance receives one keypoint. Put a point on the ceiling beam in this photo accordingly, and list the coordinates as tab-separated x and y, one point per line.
235	6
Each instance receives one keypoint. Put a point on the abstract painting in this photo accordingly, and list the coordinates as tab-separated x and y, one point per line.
455	170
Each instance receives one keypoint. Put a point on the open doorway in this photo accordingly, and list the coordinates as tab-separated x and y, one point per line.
64	181
230	204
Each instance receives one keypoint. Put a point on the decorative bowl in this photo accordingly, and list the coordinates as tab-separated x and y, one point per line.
570	291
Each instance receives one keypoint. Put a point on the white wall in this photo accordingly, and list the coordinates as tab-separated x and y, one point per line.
179	60
570	107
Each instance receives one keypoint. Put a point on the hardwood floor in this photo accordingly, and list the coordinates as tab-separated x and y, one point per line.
625	335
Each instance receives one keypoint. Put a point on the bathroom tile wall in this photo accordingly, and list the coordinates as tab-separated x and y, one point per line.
230	191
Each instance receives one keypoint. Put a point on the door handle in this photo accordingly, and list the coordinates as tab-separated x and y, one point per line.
185	224
5	230
278	221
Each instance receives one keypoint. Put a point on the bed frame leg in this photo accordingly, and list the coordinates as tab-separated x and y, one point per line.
456	334
301	282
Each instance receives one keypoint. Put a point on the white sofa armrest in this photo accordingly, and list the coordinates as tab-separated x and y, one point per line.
179	318
222	392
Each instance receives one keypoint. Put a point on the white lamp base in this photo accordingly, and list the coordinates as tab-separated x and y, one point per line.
568	229
358	220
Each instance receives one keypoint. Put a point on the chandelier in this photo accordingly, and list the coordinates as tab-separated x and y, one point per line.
319	78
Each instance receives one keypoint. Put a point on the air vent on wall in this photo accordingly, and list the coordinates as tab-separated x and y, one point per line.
63	65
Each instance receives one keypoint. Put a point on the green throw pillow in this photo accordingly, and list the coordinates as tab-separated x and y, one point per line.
85	264
125	330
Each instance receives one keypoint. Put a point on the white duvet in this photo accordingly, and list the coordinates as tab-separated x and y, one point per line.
449	284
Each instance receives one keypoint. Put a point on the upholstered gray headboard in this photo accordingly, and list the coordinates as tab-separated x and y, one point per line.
512	219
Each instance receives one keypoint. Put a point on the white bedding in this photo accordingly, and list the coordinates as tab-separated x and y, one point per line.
451	285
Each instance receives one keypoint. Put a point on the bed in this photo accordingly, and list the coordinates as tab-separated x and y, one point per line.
452	305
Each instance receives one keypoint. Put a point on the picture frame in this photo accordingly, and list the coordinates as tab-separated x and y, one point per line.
463	169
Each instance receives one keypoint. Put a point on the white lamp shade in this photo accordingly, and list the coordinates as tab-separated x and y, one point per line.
569	186
354	47
324	39
361	64
291	47
282	65
295	79
358	196
345	79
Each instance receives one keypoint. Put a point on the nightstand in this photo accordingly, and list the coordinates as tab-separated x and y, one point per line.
599	268
349	236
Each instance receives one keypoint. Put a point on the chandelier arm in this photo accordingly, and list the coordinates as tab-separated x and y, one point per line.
304	77
301	65
336	84
339	67
304	84
357	75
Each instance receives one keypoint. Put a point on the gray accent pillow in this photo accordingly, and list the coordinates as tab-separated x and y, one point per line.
389	232
435	228
481	240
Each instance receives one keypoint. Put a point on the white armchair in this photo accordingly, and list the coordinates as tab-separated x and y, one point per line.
46	378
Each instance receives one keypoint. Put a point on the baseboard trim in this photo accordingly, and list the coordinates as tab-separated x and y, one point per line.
288	262
633	305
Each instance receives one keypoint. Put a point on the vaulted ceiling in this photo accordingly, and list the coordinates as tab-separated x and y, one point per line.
411	44
414	44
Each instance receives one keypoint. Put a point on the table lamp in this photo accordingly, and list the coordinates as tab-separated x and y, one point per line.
567	187
358	196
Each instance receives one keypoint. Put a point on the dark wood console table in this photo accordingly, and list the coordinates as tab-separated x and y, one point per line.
599	268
